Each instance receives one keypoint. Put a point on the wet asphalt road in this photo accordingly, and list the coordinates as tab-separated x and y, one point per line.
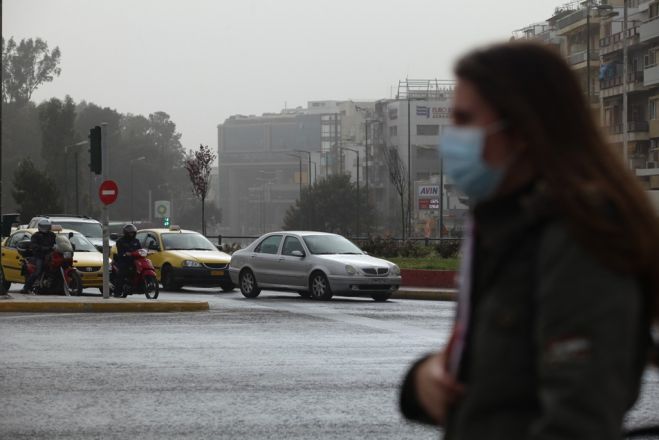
278	367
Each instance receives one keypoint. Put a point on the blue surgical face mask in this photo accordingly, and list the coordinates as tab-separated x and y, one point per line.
461	149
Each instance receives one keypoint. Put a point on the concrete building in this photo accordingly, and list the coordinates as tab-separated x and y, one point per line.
410	125
264	161
590	34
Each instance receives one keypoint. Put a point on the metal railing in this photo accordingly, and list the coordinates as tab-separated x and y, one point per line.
571	19
617	37
632	77
580	57
632	127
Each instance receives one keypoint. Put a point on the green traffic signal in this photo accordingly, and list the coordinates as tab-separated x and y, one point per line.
165	222
95	152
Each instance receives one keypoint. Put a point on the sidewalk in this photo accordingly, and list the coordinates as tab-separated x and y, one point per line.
17	303
425	293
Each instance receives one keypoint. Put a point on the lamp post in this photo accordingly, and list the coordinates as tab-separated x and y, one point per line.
299	175
132	161
308	169
358	198
75	168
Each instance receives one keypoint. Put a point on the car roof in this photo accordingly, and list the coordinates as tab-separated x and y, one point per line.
67	218
301	233
33	230
166	230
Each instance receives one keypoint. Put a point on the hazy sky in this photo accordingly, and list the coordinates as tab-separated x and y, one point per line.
204	60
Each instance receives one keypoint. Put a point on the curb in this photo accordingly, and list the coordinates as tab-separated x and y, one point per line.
18	306
429	295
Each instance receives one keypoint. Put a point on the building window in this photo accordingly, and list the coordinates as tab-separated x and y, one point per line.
427	130
653	10
393	130
652	109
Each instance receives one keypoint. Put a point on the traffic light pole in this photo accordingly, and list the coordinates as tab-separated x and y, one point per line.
106	217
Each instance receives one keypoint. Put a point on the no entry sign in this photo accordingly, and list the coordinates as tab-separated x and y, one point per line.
108	192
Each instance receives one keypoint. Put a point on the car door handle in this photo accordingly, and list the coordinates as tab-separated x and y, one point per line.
282	259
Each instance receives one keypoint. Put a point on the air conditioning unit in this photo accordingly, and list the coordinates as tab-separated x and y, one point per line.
651	165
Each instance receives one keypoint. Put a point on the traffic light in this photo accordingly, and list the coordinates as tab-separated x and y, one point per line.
95	152
165	222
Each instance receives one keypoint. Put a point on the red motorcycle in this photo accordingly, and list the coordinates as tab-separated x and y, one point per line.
140	279
58	274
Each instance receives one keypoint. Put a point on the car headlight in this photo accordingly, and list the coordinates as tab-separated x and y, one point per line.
351	270
191	263
395	270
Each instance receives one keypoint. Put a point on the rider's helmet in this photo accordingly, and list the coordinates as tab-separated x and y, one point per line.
130	231
44	225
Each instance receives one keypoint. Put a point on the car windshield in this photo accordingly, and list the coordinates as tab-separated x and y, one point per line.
89	230
81	243
330	244
186	242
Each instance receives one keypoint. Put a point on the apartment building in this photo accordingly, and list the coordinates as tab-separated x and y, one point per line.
590	35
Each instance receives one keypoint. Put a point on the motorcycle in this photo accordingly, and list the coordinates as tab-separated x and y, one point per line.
141	279
58	273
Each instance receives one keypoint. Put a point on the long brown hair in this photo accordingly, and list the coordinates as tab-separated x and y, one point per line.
533	89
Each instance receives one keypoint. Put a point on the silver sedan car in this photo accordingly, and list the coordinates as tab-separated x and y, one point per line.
314	264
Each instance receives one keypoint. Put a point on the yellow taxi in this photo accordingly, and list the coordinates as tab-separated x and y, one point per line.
185	258
86	258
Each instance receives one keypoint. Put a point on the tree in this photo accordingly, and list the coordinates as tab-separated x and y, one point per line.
199	165
328	206
57	120
397	172
25	66
33	191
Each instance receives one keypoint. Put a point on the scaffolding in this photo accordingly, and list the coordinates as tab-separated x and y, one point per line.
425	89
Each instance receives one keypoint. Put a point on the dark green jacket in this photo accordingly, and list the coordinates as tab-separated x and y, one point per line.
557	341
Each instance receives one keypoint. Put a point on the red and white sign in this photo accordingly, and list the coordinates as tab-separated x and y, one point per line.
108	192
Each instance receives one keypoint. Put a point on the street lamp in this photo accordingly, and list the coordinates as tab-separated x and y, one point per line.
75	169
358	198
132	161
299	175
367	124
308	169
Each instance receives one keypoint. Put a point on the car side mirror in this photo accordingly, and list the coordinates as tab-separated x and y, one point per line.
114	236
70	235
297	253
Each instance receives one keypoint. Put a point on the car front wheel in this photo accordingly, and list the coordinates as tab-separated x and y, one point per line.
319	287
248	286
381	297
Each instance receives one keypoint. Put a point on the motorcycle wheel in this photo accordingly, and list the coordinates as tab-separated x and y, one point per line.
75	285
151	288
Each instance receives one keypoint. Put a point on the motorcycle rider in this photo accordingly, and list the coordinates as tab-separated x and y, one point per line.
125	245
41	243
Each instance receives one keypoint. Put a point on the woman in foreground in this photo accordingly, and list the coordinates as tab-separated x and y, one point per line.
559	282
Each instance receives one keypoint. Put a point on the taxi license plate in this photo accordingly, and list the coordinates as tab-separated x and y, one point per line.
217	273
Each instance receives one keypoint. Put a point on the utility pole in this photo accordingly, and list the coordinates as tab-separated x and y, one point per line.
409	167
358	198
106	215
588	50
625	128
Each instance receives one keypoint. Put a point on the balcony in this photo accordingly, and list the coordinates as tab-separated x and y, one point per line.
613	86
578	59
636	131
614	42
651	75
650	29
